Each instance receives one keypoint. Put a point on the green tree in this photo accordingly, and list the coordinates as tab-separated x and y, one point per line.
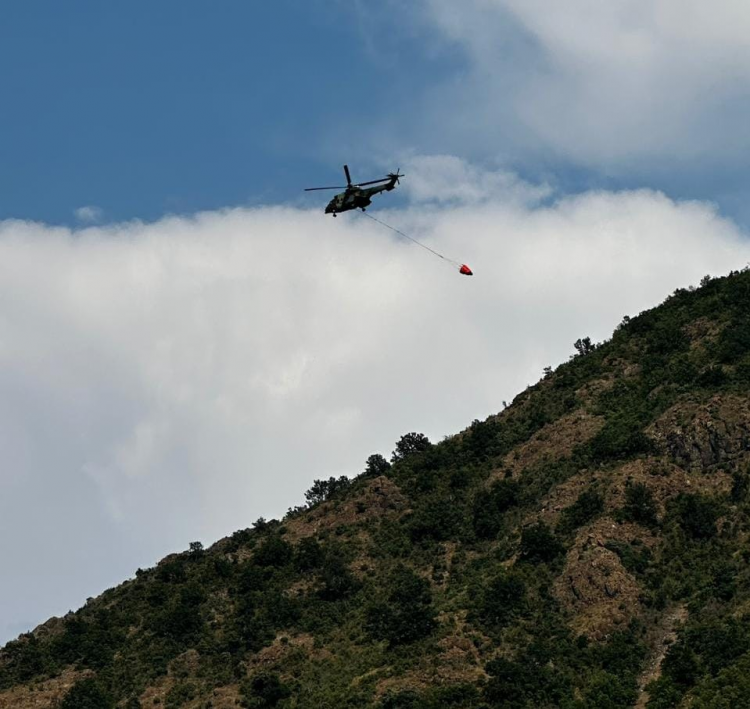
376	465
323	490
584	346
410	444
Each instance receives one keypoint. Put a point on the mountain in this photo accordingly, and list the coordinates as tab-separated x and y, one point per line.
587	547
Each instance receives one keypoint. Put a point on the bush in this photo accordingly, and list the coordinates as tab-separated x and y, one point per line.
308	555
681	666
87	694
524	682
180	694
589	505
22	660
697	515
639	505
606	691
621	437
490	505
539	544
502	599
406	614
338	581
584	346
436	518
405	699
274	551
263	691
635	557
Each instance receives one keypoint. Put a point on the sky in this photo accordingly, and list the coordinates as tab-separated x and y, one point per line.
187	342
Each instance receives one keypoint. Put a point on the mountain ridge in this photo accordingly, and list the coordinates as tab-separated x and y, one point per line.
540	558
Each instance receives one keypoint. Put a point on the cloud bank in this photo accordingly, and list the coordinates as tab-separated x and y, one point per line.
609	85
169	382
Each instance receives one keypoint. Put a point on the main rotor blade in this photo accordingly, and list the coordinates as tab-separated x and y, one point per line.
348	176
373	182
312	189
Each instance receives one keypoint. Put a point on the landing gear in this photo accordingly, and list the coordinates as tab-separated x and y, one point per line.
362	208
335	215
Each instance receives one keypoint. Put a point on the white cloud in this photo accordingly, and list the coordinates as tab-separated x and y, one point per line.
447	179
604	83
166	382
88	214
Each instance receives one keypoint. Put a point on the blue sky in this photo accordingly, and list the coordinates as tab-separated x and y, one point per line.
144	108
165	379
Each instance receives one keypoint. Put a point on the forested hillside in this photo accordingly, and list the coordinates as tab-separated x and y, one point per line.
586	547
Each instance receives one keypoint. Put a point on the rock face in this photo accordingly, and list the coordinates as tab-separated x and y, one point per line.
596	589
701	436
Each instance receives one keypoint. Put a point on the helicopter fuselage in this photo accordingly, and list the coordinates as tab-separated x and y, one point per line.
357	197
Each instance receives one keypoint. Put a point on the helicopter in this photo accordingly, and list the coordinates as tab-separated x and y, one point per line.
358	196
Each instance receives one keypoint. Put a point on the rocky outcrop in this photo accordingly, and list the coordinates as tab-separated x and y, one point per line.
700	436
594	587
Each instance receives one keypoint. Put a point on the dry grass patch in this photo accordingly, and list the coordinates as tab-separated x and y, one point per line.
45	694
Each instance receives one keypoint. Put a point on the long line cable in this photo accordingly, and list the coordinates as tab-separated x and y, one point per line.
418	243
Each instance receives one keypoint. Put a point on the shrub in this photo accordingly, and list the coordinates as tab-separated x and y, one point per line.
87	694
697	515
502	599
308	555
584	346
338	581
680	665
524	682
639	505
490	505
740	485
620	437
606	691
274	551
406	614
180	694
263	691
436	518
589	504
539	544
405	699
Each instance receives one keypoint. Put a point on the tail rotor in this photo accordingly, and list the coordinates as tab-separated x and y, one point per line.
396	175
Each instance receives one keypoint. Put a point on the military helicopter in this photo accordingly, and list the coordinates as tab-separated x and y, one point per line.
358	196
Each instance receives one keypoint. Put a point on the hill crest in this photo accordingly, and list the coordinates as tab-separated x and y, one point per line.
542	558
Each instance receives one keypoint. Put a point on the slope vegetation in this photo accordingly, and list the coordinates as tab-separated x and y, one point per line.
586	547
